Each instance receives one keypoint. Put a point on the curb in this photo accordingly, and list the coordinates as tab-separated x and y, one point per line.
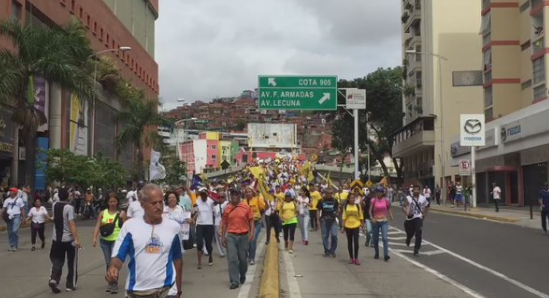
475	215
270	279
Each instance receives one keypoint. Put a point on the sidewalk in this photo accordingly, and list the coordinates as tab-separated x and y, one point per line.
306	273
510	215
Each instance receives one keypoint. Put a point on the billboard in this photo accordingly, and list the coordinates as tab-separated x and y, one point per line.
78	126
272	135
472	131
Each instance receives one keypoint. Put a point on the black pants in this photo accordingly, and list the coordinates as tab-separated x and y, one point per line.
414	228
352	242
77	205
289	231
496	203
57	256
314	224
544	218
39	231
272	221
204	236
437	196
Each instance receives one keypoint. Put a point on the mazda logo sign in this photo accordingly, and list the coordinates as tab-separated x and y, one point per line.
472	126
503	134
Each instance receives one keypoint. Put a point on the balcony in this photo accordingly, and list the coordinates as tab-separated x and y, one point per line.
413	17
487	39
414	136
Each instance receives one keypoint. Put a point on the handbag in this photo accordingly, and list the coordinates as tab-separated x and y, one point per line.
35	226
5	215
108	228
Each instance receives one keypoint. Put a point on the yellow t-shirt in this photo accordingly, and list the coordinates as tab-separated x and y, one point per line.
352	216
257	205
342	196
315	198
280	197
192	195
288	211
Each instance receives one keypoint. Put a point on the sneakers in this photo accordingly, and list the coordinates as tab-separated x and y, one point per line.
408	241
53	285
210	261
114	289
290	251
43	245
233	286
376	256
386	258
33	248
357	262
252	262
242	279
333	255
352	261
416	253
326	255
306	242
109	288
70	289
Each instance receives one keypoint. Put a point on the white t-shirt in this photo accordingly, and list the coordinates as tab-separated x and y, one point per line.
14	206
302	203
459	189
149	248
38	215
417	208
496	193
131	196
205	211
218	212
135	210
427	192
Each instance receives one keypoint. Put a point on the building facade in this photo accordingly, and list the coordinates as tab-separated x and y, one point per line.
442	79
515	102
72	123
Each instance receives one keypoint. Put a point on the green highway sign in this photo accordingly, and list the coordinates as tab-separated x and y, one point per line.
312	93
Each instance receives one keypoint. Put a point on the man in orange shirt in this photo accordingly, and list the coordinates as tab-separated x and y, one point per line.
237	228
257	203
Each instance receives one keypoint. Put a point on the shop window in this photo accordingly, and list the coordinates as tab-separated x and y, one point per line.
81	13
539	70
73	5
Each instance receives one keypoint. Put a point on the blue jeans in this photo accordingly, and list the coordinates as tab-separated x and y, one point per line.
13	231
327	229
253	244
383	226
106	247
369	240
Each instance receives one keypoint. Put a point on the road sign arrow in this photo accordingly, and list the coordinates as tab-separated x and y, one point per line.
272	82
324	98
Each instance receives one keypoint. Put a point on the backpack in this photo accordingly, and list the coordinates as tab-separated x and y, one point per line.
107	229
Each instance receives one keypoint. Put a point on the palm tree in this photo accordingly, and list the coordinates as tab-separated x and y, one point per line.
58	55
138	121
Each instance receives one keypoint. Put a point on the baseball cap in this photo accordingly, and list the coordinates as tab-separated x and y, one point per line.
14	189
203	189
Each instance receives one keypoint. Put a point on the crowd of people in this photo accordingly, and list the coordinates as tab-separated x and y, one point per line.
151	227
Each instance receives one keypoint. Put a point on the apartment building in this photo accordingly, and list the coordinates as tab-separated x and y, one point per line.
74	124
516	155
442	79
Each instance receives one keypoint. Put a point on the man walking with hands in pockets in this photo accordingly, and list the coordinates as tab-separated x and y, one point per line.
153	247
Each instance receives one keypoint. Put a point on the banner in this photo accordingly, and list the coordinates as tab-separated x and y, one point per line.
78	134
156	170
41	100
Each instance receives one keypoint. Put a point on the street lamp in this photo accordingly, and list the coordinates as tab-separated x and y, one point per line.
442	149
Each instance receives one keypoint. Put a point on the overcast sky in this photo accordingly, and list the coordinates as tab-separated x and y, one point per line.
217	48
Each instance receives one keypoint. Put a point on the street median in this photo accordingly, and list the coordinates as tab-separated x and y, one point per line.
471	213
270	279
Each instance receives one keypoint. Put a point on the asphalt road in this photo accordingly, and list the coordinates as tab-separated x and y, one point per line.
491	259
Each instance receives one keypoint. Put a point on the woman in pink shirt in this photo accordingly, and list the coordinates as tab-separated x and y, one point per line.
380	211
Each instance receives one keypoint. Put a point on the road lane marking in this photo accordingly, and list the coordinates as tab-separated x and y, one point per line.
293	286
247	286
489	270
439	275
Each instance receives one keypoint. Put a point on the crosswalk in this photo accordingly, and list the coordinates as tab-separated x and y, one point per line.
397	243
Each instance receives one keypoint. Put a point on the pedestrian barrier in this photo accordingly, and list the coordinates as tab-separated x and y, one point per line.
270	279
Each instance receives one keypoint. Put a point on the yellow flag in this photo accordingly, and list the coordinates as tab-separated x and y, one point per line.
256	171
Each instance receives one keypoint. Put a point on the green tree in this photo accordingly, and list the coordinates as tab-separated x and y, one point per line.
68	168
176	169
139	121
383	111
58	55
241	124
